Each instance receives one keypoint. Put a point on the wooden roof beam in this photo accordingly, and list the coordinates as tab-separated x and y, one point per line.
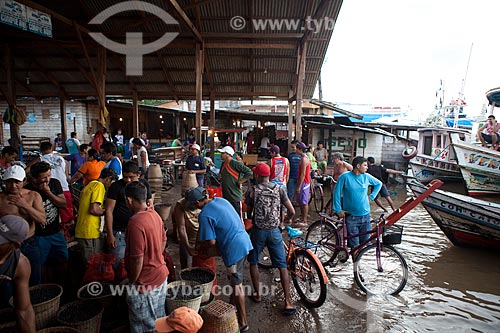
206	63
50	77
319	11
209	45
185	19
167	76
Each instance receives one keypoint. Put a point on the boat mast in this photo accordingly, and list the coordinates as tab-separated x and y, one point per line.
461	102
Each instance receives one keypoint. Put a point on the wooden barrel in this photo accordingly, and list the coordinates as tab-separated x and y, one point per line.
155	179
188	182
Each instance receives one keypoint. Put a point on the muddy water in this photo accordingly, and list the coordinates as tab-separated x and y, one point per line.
449	289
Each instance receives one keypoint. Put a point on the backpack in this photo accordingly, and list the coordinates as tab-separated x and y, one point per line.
267	202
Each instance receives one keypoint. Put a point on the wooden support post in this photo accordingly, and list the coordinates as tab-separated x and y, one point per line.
101	85
199	87
64	123
10	95
135	115
300	89
212	124
290	123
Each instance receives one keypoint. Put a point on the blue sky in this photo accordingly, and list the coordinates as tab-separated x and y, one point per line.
395	52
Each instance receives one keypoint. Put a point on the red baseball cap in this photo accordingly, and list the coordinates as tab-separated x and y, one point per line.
182	319
262	169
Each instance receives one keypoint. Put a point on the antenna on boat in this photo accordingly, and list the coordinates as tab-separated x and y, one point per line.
461	102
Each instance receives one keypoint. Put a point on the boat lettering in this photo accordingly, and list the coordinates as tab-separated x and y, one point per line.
484	161
468	212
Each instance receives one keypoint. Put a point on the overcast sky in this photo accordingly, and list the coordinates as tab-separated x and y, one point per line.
395	52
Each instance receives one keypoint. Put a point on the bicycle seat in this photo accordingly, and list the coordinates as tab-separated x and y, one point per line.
292	233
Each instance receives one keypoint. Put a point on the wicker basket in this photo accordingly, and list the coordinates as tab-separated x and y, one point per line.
45	312
91	325
59	329
191	289
206	286
106	300
219	317
7	318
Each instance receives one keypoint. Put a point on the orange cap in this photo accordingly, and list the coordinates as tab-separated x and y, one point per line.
182	319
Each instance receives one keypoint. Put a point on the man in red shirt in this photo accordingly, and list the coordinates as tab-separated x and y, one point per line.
146	268
303	189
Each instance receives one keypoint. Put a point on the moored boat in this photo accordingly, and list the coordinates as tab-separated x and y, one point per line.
480	167
466	221
435	158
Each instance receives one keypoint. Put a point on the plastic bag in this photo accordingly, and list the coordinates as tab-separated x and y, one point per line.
100	268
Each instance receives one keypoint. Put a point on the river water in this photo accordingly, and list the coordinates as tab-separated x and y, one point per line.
449	289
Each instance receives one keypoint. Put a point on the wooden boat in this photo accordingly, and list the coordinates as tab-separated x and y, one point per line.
466	221
435	158
480	167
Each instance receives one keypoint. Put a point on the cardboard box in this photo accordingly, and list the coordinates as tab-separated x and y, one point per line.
250	159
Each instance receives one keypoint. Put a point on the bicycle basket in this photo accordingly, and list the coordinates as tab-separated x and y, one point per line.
392	235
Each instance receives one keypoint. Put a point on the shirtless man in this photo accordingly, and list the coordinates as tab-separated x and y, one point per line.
339	165
16	200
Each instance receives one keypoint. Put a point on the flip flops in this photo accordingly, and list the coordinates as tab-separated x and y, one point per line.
255	298
289	312
244	328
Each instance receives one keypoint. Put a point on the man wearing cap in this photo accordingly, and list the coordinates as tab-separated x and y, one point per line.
183	319
51	241
15	271
264	200
233	174
146	268
303	189
218	222
195	163
16	200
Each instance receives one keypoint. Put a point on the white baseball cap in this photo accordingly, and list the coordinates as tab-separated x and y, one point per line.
227	149
195	146
14	172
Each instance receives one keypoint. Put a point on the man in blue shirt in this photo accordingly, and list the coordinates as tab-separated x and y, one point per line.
218	221
108	154
294	160
352	187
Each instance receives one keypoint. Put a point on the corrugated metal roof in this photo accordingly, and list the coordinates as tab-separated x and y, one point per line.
234	64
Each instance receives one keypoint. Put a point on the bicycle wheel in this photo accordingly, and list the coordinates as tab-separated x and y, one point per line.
328	208
265	259
326	236
318	199
168	180
388	279
308	279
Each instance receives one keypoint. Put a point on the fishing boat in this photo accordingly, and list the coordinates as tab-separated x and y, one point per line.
466	221
479	166
435	159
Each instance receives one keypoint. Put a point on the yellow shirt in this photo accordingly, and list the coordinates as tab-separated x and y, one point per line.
87	226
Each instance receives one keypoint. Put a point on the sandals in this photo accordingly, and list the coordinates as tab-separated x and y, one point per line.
244	328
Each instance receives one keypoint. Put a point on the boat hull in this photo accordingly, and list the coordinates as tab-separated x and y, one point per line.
466	221
429	170
480	167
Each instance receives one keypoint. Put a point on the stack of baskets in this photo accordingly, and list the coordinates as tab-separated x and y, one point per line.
84	316
204	277
219	317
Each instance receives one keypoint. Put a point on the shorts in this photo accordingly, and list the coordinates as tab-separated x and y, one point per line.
235	272
271	239
384	193
304	194
322	164
90	247
52	247
488	138
144	309
291	186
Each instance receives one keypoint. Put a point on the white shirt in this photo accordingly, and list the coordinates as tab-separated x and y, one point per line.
58	168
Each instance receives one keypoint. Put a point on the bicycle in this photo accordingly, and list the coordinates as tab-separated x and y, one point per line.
317	191
379	269
308	275
167	172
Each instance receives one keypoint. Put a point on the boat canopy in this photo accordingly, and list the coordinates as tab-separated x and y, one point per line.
493	96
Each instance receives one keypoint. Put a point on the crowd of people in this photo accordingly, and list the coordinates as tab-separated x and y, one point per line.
115	214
